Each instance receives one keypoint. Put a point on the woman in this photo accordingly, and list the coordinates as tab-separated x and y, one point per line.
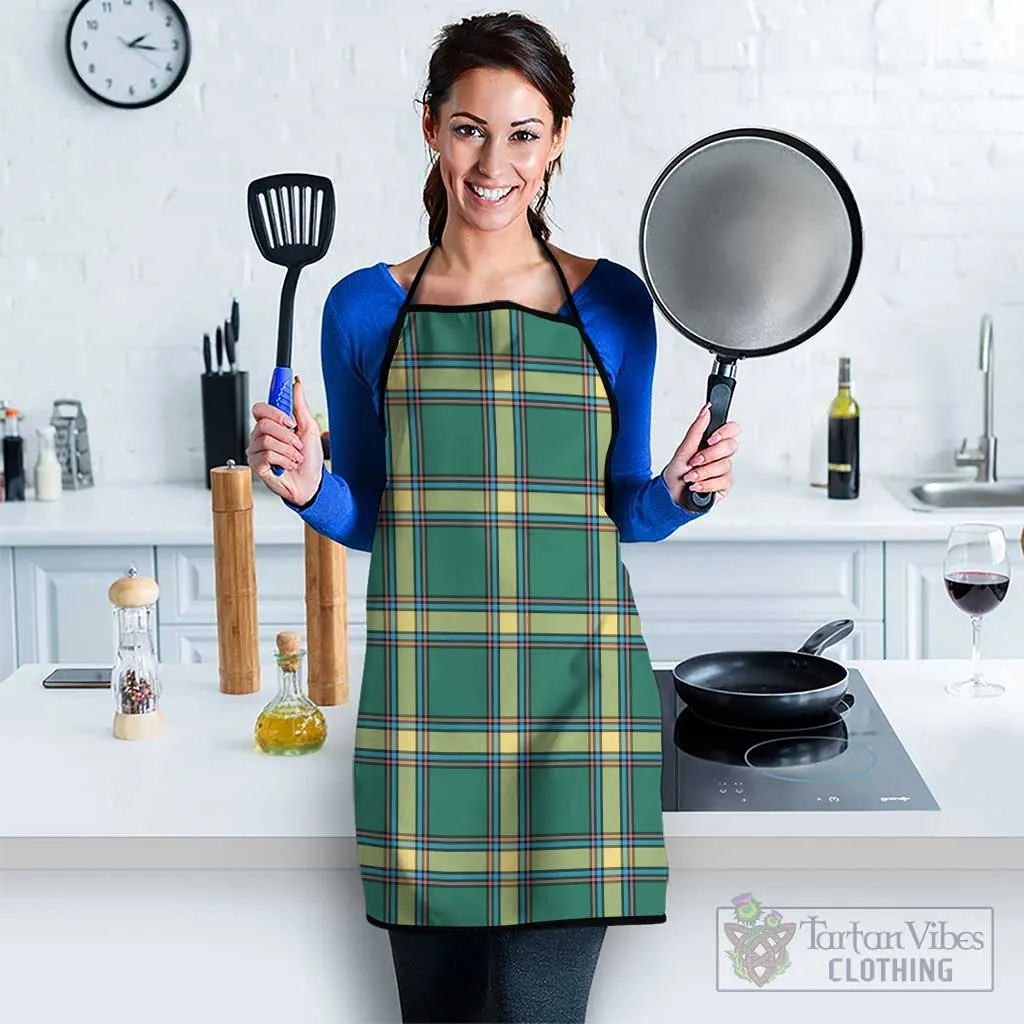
489	403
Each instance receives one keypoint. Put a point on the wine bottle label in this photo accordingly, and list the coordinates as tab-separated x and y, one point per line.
844	457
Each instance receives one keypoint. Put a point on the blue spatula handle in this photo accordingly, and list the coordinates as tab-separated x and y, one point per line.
281	397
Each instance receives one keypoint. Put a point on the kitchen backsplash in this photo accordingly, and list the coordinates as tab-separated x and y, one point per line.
124	234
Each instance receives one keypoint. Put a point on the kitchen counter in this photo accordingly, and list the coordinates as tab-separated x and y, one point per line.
758	509
203	796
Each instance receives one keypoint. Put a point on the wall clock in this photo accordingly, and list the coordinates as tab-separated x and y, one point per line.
128	53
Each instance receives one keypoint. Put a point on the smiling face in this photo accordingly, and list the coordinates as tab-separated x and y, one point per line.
494	137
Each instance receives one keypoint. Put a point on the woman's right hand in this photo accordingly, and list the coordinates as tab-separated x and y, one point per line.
273	442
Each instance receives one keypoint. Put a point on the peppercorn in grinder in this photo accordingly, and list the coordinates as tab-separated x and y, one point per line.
134	679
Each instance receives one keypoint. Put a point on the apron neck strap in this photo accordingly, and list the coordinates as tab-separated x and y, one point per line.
566	291
419	274
575	314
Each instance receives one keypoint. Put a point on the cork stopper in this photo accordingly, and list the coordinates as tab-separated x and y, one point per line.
133	591
289	650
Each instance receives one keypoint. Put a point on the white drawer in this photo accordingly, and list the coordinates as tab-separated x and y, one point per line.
690	639
756	582
198	644
188	591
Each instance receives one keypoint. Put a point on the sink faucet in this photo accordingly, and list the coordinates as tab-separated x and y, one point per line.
984	456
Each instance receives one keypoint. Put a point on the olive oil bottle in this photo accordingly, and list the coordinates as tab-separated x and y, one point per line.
291	723
844	439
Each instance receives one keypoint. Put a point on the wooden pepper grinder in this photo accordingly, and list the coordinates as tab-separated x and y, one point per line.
326	619
234	555
326	608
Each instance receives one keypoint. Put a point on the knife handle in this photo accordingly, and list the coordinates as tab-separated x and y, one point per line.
229	346
281	397
220	350
207	361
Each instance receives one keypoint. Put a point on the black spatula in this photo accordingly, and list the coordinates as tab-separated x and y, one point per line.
292	220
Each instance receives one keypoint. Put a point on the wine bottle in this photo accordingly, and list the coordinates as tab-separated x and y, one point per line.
844	439
14	458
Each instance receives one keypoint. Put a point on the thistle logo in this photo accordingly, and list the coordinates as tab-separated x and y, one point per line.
759	941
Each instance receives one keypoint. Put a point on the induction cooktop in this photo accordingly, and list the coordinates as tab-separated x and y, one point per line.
851	760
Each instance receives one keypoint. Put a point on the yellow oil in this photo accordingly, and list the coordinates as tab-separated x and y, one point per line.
291	729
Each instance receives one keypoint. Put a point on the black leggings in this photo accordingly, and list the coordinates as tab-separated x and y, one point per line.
505	976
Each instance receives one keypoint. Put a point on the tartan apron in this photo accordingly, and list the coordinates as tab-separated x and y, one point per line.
507	765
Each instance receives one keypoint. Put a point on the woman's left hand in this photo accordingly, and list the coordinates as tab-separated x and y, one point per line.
710	469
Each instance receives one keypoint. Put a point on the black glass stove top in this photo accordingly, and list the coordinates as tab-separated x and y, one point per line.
851	761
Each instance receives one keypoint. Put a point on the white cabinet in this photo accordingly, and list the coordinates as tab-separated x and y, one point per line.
688	639
692	598
198	644
8	651
695	598
188	593
188	598
63	613
922	622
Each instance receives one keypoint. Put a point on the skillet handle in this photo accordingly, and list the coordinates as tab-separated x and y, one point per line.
844	705
721	384
829	634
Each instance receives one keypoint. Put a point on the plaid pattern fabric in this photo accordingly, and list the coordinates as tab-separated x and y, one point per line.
508	742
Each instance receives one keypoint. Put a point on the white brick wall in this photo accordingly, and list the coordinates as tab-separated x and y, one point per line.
123	234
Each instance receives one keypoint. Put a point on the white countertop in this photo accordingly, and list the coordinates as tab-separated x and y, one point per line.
758	509
71	794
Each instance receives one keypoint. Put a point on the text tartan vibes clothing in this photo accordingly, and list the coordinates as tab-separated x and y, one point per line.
508	742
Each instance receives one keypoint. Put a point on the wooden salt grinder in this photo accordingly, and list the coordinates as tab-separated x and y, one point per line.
234	557
326	619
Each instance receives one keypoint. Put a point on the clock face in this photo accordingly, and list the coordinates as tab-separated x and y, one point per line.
128	53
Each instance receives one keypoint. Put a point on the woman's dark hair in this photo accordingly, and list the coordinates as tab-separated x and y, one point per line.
506	42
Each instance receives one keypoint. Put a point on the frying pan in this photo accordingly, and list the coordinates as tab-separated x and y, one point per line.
756	689
750	243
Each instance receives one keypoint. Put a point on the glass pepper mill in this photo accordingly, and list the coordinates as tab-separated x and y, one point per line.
135	680
291	723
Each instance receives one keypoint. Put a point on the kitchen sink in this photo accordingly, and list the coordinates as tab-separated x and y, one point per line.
937	495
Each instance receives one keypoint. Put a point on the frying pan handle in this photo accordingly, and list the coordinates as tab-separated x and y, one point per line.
844	705
281	397
721	383
829	634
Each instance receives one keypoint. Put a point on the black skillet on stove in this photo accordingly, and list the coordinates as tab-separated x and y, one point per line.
767	689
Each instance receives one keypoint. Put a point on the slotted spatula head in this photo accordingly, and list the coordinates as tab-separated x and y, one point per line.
292	220
292	217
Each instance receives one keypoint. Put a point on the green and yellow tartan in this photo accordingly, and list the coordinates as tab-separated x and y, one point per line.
508	742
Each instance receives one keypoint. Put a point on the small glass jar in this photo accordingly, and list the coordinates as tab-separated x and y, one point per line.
291	723
135	679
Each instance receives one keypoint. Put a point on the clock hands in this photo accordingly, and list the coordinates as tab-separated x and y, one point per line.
137	44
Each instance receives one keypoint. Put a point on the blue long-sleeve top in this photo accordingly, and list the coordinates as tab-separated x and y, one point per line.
618	314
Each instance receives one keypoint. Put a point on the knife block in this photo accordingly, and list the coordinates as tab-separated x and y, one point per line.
225	398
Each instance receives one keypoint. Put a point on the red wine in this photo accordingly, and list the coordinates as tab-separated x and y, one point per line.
977	593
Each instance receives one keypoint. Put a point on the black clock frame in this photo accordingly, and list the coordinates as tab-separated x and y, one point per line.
187	58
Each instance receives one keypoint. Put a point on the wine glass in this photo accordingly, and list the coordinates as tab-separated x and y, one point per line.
977	576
